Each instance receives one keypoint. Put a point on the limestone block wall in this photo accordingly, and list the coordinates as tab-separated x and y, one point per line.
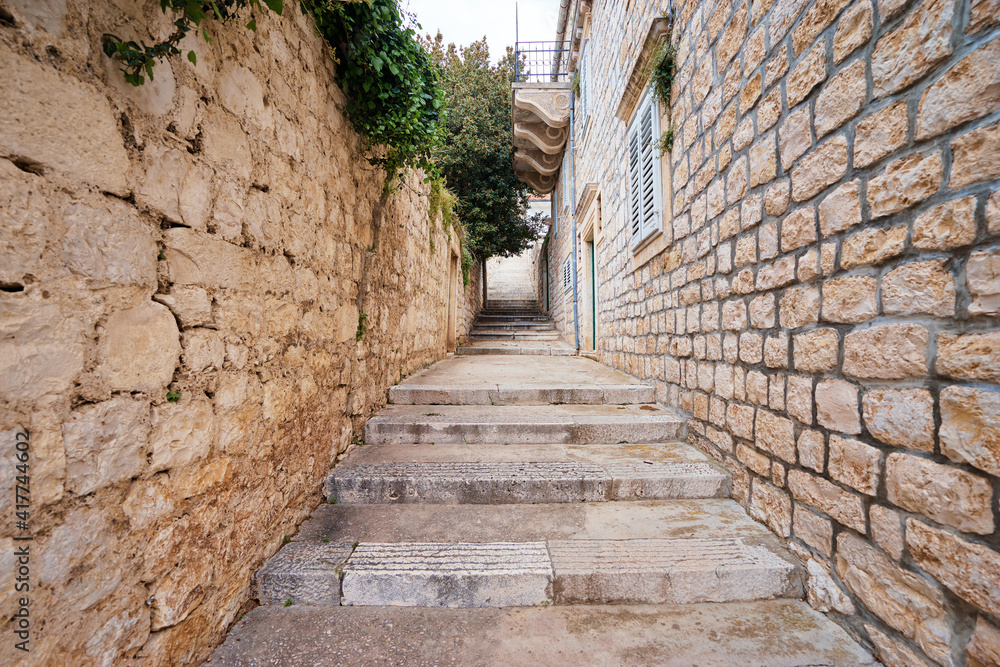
826	306
514	278
214	236
559	249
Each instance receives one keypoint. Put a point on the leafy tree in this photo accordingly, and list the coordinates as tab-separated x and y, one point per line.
476	157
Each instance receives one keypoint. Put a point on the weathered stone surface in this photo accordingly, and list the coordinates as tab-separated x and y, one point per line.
773	507
872	246
799	403
105	443
815	351
893	653
921	40
60	122
668	571
887	352
837	406
763	160
968	569
820	168
974	156
905	182
841	505
305	573
822	593
840	210
810	72
943	493
853	29
887	529
969	356
799	306
139	348
41	348
949	225
841	98
191	305
984	647
970	89
970	427
900	417
983	13
982	275
182	433
855	464
813	529
795	137
812	449
108	247
149	501
919	288
798	229
850	299
903	600
776	435
880	133
497	574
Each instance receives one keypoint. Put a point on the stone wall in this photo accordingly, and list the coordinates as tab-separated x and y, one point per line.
213	236
825	301
515	278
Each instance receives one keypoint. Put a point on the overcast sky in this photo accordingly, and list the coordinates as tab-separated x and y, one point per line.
465	21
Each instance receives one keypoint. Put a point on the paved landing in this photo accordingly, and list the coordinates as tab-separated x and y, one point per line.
777	633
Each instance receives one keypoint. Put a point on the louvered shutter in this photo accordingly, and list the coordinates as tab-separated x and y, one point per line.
644	172
585	81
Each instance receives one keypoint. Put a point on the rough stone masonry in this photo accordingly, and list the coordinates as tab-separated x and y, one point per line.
826	298
204	236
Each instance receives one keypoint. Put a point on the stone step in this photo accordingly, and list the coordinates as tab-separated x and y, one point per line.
508	348
505	574
503	424
485	474
514	326
496	334
776	633
505	394
483	317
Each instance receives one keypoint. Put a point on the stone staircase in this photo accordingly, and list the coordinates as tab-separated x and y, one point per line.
507	510
514	327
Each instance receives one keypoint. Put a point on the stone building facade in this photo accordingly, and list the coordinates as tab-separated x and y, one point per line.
203	294
817	284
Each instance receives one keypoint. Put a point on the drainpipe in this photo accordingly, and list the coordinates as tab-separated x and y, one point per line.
572	212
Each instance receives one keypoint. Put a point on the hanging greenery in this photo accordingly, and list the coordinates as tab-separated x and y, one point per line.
394	100
140	58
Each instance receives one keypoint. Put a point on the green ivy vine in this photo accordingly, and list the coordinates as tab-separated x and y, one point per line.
394	99
139	58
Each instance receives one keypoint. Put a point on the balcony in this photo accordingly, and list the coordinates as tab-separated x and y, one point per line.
541	99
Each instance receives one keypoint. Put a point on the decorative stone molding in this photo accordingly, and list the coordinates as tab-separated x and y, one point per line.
659	30
541	115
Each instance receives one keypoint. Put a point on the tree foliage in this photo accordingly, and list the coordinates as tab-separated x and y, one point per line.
476	156
395	101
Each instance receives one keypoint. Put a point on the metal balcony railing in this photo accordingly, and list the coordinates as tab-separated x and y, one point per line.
538	62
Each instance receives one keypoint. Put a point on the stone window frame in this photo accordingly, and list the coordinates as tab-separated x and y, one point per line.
635	88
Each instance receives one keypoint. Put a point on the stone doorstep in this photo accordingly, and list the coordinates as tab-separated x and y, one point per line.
619	394
520	482
502	574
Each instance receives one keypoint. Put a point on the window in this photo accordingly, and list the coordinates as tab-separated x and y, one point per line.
585	81
567	275
644	172
564	187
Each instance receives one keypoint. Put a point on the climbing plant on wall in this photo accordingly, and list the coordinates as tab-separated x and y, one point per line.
394	100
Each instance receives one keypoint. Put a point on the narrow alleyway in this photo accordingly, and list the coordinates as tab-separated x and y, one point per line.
512	509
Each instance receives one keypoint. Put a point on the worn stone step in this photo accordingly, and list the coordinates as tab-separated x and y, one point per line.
501	334
512	394
508	348
775	633
489	317
513	326
502	424
501	574
509	482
